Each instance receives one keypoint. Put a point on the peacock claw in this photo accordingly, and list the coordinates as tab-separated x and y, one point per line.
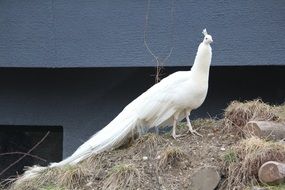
194	132
177	136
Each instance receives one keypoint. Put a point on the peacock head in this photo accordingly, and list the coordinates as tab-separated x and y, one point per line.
208	38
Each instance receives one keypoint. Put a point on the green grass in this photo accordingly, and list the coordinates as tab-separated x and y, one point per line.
51	187
278	187
122	168
230	156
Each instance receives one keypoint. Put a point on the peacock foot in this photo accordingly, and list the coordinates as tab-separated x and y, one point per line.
194	132
177	136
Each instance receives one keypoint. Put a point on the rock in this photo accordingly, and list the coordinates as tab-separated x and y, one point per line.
267	129
206	178
272	173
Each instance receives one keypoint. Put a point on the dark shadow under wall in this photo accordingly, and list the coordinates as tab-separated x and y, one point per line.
245	83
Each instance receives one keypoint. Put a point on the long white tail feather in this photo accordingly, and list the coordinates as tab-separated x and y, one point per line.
111	136
31	173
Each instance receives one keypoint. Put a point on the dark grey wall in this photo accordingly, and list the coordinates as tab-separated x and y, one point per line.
105	33
85	100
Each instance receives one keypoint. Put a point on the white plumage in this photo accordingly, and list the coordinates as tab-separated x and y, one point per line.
165	103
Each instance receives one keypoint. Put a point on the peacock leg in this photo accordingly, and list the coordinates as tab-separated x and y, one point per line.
175	120
189	124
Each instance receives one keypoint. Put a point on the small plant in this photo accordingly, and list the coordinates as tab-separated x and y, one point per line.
171	156
72	177
148	143
122	176
229	157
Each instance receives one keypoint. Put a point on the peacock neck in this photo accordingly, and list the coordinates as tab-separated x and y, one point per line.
201	66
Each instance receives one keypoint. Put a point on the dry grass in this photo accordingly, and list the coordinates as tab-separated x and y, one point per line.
281	111
243	161
148	143
237	114
69	177
93	167
122	176
36	182
151	139
171	157
72	177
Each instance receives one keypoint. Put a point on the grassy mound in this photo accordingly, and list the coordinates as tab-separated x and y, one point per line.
160	162
237	114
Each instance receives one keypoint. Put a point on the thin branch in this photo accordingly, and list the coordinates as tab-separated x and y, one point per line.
23	153
159	63
145	32
22	157
172	31
169	54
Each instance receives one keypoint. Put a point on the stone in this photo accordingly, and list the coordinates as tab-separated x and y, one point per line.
266	129
272	173
206	178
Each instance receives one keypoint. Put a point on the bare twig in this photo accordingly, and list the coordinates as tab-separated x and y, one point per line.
172	32
22	157
159	63
145	32
23	153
